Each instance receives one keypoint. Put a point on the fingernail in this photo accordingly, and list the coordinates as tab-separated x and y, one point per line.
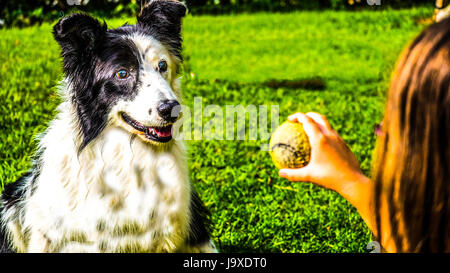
282	173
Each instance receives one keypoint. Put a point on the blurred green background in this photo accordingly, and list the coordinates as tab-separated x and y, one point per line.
25	12
239	57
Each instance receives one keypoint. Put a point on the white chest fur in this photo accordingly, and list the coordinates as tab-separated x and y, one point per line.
119	194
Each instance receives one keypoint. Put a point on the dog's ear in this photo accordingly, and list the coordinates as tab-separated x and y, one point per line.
78	35
162	15
162	18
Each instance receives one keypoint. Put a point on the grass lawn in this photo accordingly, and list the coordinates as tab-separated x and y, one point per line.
228	60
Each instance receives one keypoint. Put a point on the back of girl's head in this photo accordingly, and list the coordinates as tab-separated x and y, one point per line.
412	174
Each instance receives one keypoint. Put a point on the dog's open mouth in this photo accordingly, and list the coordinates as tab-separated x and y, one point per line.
159	134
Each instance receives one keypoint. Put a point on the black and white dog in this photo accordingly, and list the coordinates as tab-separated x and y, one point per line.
108	175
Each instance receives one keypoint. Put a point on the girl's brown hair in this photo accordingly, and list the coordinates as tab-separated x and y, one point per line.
412	174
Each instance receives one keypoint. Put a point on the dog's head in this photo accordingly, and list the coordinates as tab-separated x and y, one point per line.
127	76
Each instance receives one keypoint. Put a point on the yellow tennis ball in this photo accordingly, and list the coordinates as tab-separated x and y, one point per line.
289	146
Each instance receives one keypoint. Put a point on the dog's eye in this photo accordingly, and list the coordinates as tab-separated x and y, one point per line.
122	74
162	66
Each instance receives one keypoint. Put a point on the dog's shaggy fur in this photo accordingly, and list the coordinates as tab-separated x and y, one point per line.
108	176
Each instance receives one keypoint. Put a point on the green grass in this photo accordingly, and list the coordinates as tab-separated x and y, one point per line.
228	58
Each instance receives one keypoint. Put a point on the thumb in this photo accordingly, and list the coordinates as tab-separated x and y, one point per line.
296	175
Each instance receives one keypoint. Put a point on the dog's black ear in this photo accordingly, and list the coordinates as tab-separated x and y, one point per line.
162	18
78	35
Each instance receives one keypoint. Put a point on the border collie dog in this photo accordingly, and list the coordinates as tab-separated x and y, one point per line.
108	176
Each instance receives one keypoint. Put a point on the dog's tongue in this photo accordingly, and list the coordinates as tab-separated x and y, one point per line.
163	131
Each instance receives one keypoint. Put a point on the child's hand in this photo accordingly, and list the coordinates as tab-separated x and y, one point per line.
332	165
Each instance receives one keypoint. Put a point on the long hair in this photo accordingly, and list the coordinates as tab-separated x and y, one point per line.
412	165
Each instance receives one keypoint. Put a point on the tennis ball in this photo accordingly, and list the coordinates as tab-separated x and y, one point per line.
289	146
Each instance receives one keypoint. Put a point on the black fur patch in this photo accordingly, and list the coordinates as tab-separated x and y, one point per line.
92	56
5	246
198	232
11	195
94	100
13	192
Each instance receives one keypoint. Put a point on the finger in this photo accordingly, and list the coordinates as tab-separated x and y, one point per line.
321	119
295	175
294	117
311	128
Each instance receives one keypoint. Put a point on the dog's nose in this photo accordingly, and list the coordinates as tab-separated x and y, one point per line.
169	110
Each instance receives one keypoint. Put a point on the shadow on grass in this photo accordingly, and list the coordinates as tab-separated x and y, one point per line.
309	84
314	83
